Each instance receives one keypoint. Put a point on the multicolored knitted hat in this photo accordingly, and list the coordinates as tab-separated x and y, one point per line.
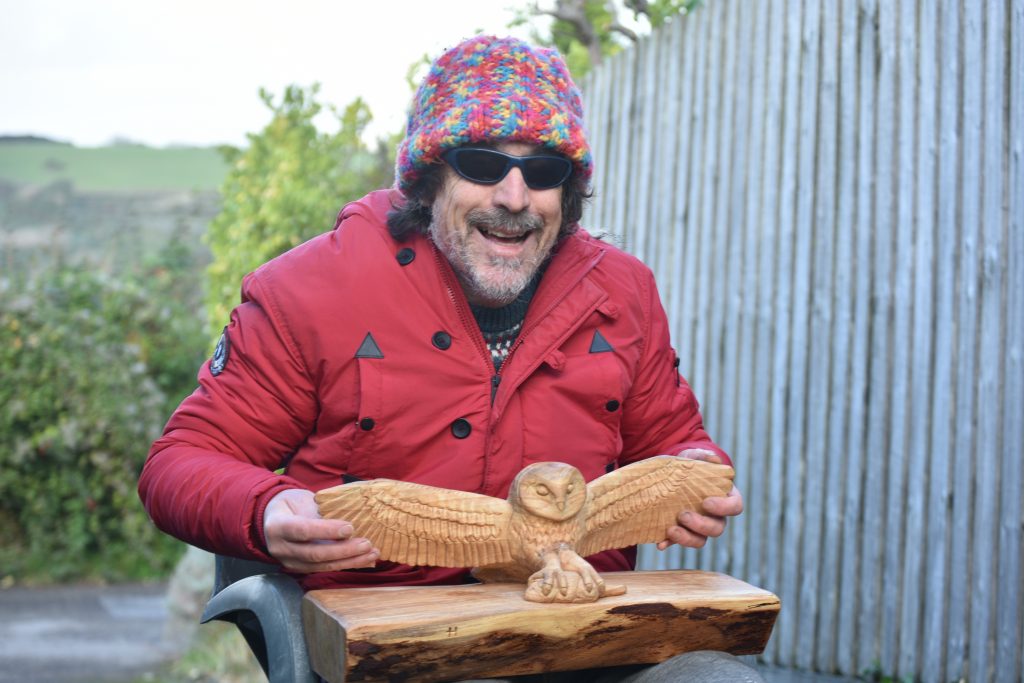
489	89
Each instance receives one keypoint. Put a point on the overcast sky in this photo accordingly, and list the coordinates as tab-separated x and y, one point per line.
188	71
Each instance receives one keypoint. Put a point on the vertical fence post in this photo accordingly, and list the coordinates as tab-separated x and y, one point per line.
831	196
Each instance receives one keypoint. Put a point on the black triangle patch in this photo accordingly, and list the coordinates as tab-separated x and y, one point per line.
600	344
369	348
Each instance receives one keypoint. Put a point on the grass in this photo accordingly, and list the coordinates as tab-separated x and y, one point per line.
219	654
117	167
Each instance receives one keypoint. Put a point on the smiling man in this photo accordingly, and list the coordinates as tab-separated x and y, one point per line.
497	234
448	331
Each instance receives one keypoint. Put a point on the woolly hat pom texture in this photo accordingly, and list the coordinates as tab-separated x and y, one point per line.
488	90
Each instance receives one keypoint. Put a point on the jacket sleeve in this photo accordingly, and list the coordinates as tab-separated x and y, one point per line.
661	415
208	479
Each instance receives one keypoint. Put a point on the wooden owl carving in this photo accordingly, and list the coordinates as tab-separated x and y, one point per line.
550	522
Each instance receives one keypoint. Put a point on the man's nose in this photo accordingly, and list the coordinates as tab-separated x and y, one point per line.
512	193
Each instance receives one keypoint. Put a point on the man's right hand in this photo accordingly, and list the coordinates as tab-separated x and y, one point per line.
302	541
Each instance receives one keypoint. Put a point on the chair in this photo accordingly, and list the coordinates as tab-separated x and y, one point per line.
266	606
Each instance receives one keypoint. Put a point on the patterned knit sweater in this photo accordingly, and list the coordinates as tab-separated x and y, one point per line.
501	326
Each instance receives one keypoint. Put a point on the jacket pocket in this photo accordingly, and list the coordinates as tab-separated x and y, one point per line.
573	410
371	422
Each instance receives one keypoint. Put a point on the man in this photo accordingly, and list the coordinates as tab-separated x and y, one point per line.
448	331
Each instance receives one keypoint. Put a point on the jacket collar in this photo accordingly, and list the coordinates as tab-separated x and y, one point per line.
565	298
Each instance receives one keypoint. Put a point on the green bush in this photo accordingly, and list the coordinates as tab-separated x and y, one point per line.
286	187
91	366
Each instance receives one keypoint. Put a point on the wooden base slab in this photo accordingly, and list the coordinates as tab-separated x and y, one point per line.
450	633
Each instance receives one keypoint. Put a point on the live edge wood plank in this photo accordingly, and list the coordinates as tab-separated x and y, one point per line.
446	633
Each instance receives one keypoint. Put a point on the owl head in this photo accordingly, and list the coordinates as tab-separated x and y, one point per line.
552	490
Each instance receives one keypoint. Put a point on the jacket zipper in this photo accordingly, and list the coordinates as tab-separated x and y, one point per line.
478	338
470	324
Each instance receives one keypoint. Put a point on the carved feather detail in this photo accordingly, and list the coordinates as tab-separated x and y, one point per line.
423	525
639	502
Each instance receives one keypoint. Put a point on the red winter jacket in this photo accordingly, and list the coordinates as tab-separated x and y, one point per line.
356	354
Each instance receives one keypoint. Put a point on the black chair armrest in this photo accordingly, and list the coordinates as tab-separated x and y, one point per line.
267	609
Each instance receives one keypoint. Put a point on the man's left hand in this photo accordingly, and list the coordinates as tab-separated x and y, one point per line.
695	527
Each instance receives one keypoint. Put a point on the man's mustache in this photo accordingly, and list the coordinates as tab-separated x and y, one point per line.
503	220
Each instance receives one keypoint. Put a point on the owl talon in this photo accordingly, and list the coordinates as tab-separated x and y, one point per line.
558	585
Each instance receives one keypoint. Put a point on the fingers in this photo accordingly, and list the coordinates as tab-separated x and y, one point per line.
327	556
729	505
678	535
701	454
702	525
302	541
305	530
694	528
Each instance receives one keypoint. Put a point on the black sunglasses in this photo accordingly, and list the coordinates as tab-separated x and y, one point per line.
489	166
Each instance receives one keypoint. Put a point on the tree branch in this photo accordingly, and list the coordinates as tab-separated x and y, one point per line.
617	26
571	12
628	32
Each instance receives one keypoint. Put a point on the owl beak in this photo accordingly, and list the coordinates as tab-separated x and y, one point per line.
561	504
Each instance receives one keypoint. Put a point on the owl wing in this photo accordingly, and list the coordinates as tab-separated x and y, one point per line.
639	502
423	525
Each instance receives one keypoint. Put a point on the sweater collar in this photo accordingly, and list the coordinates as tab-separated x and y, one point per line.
494	320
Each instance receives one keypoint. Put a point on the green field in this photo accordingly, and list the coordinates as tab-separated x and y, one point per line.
117	167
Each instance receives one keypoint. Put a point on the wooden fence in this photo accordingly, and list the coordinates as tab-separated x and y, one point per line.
831	194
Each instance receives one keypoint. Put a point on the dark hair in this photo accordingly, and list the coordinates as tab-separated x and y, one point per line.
414	215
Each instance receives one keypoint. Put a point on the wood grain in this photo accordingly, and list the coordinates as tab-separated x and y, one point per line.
444	633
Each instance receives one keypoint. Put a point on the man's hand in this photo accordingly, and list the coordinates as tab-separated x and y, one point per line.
302	541
694	528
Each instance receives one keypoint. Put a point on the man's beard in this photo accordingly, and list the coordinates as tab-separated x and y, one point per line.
499	280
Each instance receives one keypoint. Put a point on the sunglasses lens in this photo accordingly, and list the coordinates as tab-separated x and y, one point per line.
481	165
488	166
543	172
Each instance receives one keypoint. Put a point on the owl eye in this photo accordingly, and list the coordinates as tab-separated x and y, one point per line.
570	488
542	490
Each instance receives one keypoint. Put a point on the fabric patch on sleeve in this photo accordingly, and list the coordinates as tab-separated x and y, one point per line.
220	354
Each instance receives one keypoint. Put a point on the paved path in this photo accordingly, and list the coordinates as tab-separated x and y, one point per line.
776	675
82	634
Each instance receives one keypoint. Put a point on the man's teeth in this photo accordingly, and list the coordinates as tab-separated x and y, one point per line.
503	236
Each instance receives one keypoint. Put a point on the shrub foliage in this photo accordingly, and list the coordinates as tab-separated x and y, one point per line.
91	365
286	187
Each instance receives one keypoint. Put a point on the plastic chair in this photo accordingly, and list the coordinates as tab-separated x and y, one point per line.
266	606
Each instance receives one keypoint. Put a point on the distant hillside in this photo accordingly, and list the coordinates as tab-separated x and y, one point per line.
28	161
44	225
36	139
